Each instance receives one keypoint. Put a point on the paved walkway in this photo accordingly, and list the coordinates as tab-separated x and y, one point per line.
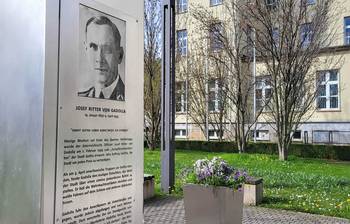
170	211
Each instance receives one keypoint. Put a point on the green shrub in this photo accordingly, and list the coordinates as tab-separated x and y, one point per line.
207	146
334	152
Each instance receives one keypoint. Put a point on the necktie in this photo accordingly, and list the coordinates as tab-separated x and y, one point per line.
101	96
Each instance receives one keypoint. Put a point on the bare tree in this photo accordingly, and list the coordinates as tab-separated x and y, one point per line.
152	75
219	105
229	49
206	101
191	68
290	37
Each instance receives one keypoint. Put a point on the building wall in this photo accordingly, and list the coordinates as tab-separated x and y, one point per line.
196	36
343	113
321	120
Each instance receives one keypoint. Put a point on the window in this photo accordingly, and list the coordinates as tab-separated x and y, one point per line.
182	42
263	92
347	30
180	133
250	36
271	4
181	6
328	90
215	2
308	2
215	37
262	135
306	34
297	135
214	95
306	137
181	101
276	36
213	134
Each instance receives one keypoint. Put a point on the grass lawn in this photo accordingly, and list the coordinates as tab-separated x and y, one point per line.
306	185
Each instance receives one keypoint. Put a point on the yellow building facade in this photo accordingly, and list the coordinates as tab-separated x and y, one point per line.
329	123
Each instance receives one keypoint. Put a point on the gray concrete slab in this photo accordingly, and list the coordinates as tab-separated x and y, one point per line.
170	210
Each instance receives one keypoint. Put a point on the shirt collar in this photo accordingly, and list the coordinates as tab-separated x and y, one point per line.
107	91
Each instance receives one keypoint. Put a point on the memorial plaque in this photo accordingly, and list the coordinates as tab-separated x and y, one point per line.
99	156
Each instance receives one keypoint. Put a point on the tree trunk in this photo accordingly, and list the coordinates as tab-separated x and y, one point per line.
242	142
241	146
240	138
152	138
282	151
239	149
152	143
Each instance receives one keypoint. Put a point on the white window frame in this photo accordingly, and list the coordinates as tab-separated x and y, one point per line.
298	139
216	90
310	2
306	34
346	27
271	4
263	85
215	136
276	36
182	42
183	100
215	44
265	137
215	2
183	133
182	6
327	83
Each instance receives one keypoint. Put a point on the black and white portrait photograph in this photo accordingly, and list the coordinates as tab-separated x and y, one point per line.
102	56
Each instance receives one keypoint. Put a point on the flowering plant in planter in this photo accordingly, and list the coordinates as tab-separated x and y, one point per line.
214	194
217	172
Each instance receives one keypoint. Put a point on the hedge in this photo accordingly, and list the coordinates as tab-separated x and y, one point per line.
334	152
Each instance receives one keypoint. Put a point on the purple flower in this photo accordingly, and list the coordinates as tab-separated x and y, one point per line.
218	172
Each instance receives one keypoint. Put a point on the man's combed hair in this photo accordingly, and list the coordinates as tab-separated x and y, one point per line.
103	20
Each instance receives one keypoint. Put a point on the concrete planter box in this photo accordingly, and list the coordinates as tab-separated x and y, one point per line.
148	186
212	205
253	191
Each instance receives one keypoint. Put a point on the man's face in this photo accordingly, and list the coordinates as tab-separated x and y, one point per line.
103	53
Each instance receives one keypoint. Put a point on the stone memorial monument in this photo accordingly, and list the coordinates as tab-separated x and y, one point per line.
71	126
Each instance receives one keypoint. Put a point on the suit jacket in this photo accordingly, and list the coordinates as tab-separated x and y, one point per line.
117	94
